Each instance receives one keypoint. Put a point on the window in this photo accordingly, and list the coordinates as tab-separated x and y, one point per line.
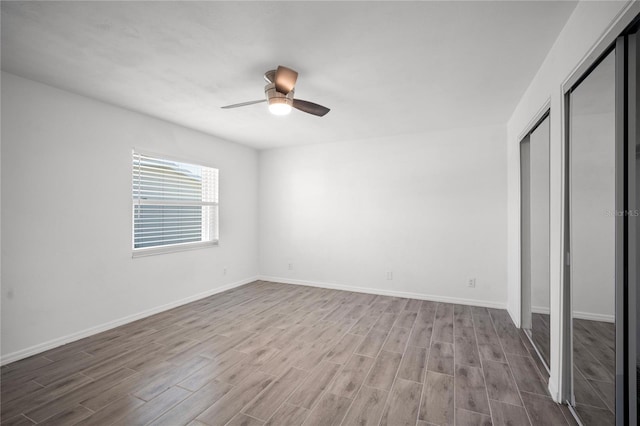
175	205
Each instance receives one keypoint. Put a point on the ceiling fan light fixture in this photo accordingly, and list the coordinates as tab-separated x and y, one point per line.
279	104
278	108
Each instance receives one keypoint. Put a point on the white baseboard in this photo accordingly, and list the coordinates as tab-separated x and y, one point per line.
540	310
594	317
54	343
421	296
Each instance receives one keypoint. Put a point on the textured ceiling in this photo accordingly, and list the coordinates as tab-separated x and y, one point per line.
384	68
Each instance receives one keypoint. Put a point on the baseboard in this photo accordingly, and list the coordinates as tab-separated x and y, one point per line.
51	344
577	314
593	317
54	343
540	310
421	296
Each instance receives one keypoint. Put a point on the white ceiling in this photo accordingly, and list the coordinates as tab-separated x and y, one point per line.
384	68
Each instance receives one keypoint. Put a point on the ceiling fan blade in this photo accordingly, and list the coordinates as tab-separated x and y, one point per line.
243	104
310	107
285	79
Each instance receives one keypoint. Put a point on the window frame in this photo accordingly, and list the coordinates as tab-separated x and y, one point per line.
176	247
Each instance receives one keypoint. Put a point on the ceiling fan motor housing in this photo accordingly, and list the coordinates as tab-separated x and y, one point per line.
275	97
270	76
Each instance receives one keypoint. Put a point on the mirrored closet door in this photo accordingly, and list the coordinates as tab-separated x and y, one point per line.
534	161
603	239
592	218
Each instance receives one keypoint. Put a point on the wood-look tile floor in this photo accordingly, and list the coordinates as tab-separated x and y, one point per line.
277	354
594	371
541	334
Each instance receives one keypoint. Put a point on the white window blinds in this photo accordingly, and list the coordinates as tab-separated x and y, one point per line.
175	204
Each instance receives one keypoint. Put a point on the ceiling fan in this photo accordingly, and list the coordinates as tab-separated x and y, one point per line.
279	94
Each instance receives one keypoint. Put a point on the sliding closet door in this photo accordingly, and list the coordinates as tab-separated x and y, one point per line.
525	233
603	239
534	166
593	242
540	239
632	285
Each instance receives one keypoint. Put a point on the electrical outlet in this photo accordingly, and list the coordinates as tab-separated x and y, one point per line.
224	271
471	283
389	275
291	266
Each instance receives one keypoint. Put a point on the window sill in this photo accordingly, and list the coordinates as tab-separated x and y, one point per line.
152	251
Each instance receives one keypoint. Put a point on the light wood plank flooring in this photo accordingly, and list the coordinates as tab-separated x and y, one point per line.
276	354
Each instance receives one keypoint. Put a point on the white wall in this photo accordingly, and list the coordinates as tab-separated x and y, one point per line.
66	216
587	26
431	208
